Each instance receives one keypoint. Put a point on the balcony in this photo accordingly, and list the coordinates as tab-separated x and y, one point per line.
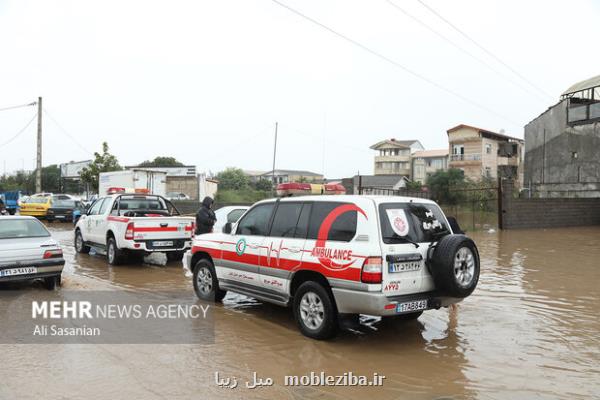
465	157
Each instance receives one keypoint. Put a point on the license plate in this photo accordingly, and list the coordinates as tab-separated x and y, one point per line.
18	271
164	243
60	217
404	266
411	306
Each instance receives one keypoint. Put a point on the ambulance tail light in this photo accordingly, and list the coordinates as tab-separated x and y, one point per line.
372	270
129	232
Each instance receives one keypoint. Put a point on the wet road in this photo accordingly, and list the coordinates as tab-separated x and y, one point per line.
530	330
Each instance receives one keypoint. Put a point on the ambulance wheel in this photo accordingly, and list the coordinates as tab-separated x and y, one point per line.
206	284
315	311
80	246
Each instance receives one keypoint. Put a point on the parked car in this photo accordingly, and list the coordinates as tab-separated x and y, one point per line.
228	214
177	196
28	252
64	210
331	256
11	201
122	225
36	206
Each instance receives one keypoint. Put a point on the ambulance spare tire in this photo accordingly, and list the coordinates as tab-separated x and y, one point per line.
454	266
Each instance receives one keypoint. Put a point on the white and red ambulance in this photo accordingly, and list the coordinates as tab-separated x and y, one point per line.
127	224
332	256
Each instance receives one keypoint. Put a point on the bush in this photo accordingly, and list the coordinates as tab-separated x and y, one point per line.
241	196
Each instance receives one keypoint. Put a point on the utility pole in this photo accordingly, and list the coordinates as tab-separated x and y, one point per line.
38	172
274	154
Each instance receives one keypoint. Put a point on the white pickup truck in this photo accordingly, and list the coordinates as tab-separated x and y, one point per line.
132	225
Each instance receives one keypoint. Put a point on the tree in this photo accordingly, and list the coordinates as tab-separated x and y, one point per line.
441	184
264	185
232	179
162	162
414	186
104	162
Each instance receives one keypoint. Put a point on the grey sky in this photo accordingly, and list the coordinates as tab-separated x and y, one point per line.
204	81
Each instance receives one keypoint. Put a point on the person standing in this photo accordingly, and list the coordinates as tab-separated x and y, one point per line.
205	217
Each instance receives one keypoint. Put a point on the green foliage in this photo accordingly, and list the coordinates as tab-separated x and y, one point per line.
247	195
264	185
232	179
25	181
162	162
104	162
414	186
440	184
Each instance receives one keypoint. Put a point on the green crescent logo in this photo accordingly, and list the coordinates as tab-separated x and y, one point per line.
240	246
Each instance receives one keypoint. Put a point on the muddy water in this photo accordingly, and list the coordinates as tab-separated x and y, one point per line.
530	330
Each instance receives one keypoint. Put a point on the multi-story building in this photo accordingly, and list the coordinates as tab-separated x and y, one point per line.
427	162
394	156
482	153
289	175
562	157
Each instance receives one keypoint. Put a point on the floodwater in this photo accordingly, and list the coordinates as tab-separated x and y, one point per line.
530	330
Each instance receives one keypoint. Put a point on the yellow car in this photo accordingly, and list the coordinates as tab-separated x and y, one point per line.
36	206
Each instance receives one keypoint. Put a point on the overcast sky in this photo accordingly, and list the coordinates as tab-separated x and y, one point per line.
205	81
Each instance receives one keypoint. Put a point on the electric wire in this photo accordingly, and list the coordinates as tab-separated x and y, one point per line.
397	64
463	50
20	132
64	131
488	52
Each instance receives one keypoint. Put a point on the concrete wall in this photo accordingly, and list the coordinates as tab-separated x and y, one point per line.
560	158
550	213
183	184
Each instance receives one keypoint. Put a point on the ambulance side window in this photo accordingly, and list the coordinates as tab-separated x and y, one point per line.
256	221
286	218
343	229
302	227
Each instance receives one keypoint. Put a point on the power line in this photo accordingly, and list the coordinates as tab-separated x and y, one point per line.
67	134
19	106
20	132
488	52
396	64
462	49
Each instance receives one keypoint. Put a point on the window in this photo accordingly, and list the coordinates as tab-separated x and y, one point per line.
488	149
343	228
104	206
286	218
95	209
424	221
234	215
256	221
488	172
302	226
22	228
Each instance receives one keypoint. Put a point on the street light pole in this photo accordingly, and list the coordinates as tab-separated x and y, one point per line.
38	172
274	154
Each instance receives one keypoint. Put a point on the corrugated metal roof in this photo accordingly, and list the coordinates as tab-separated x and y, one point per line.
587	84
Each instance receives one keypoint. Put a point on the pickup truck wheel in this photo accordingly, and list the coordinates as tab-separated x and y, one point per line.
315	311
206	284
455	266
113	253
175	256
80	246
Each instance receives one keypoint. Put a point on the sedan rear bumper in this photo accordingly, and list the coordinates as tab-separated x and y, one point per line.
45	269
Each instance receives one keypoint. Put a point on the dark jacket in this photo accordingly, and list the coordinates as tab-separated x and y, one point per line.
205	217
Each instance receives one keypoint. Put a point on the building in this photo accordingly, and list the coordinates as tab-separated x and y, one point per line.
394	156
254	176
562	145
426	162
290	175
375	184
187	180
482	153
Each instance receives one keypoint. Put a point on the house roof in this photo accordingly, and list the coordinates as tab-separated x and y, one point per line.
379	181
586	84
498	135
290	172
431	153
253	172
396	143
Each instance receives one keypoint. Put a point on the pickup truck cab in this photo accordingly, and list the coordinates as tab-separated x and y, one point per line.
328	257
124	224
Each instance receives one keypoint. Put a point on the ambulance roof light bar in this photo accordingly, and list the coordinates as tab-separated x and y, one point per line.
120	190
